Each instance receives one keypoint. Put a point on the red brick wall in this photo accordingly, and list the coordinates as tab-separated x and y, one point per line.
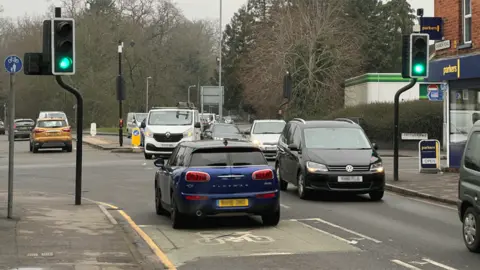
451	12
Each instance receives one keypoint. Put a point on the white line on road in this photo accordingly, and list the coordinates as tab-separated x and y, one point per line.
446	267
406	265
344	229
269	254
109	216
285	206
352	242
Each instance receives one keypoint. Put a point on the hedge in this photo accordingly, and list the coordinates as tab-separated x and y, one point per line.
415	117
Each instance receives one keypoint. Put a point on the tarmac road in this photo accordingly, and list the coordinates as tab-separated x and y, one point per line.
326	233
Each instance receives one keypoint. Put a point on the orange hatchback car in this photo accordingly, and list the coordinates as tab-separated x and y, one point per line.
51	133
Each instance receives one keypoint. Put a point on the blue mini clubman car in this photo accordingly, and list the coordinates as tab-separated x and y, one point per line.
206	178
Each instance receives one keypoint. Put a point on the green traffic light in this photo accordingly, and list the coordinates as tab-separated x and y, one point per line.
419	69
65	63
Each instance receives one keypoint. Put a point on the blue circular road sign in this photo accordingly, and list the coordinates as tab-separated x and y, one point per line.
136	132
13	64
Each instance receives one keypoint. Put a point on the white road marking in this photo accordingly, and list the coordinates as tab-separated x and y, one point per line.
344	229
446	267
270	254
352	242
406	265
109	216
423	201
285	206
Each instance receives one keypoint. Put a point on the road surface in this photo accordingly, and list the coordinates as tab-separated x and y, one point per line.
326	233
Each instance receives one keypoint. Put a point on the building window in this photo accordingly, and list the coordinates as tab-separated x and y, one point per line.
467	21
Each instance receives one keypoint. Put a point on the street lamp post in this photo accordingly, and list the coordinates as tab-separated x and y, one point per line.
220	109
146	96
191	86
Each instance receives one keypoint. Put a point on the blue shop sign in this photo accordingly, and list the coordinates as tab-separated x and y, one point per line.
464	67
433	26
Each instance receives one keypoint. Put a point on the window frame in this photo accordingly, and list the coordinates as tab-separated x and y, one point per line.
471	140
465	17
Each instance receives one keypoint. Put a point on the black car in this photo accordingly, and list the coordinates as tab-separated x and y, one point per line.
332	156
222	131
22	128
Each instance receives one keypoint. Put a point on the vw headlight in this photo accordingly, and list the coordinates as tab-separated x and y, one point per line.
313	167
148	133
188	133
376	167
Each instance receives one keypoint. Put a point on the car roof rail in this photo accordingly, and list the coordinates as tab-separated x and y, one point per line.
300	120
346	120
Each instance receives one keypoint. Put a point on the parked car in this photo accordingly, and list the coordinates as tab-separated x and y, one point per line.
469	190
332	156
22	128
192	182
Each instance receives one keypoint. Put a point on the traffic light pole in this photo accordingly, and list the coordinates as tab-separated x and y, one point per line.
78	168
396	132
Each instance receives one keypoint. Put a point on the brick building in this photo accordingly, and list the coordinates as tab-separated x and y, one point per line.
456	62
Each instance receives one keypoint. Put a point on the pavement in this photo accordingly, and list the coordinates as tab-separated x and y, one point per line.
47	231
327	232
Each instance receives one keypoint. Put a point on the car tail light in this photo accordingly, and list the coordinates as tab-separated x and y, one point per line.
195	198
266	174
39	130
14	125
197	177
66	129
266	196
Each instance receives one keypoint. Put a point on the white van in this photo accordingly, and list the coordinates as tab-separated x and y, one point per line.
53	114
165	128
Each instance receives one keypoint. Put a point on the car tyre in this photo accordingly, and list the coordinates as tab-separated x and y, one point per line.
31	147
271	219
178	219
303	193
147	156
376	195
35	149
283	183
470	230
158	203
69	148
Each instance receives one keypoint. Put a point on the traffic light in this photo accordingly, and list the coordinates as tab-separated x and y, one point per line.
419	55
63	46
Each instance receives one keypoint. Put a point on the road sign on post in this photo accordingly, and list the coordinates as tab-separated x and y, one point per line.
212	96
434	93
13	64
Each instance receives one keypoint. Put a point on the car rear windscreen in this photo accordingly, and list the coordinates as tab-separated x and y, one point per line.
51	123
24	122
227	157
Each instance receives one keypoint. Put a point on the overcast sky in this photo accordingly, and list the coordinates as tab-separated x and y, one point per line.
193	9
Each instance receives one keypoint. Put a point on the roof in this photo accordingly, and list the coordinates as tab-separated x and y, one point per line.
51	119
171	109
217	143
270	120
329	124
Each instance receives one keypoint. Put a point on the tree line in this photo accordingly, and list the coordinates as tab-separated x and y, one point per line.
159	42
319	42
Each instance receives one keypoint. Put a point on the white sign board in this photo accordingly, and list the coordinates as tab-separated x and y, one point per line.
442	45
414	136
211	95
93	129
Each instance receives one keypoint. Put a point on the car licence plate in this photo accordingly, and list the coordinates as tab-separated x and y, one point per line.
233	203
350	179
169	145
53	133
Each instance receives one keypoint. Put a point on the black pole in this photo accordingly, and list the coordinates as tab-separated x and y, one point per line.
78	168
396	132
120	90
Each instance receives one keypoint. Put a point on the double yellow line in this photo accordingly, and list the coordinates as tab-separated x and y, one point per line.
158	252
